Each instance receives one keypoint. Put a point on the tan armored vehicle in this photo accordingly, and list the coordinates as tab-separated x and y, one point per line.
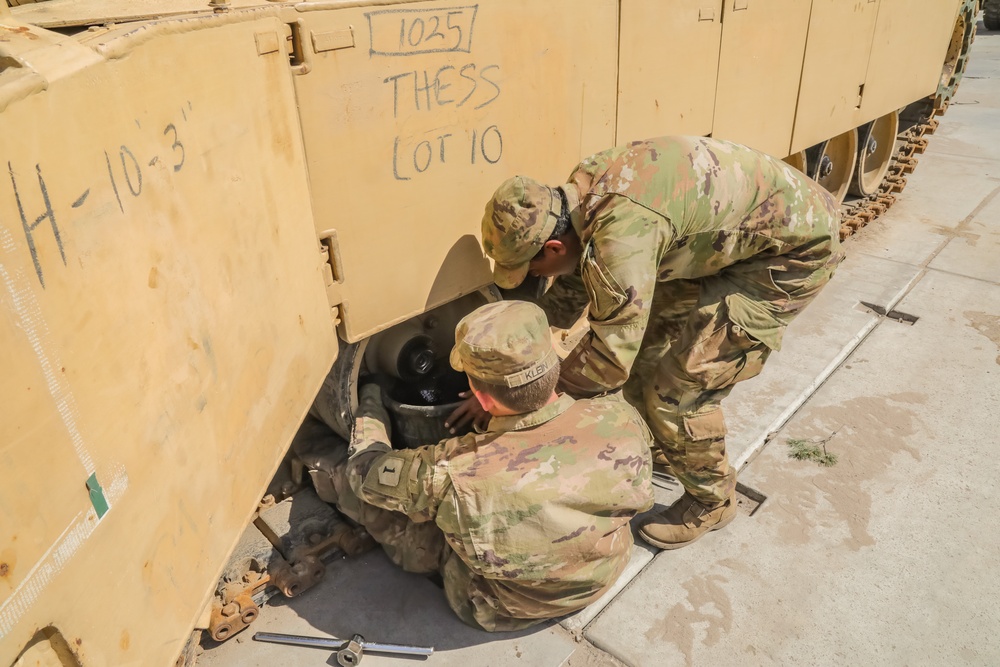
204	205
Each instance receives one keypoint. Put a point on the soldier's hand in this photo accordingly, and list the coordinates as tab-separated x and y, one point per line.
469	411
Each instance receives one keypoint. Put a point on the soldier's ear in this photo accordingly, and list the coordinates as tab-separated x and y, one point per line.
555	247
484	399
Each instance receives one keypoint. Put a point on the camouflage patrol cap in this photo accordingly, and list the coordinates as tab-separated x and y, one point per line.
519	219
507	343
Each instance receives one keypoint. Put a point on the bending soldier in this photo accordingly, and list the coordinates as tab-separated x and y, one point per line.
525	522
693	255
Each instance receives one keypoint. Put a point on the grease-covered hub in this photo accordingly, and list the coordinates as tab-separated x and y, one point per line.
417	359
419	409
420	387
442	387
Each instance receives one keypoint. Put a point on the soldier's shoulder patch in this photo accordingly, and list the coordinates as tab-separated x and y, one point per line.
390	470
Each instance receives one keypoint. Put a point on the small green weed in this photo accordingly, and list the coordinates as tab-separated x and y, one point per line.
803	450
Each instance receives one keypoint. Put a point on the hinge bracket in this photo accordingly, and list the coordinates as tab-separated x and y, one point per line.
333	277
299	53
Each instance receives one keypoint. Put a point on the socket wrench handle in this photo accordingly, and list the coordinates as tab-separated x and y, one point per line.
398	648
332	644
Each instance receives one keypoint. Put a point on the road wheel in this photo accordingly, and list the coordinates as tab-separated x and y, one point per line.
991	14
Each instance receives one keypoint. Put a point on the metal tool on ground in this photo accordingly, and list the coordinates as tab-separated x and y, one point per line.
349	652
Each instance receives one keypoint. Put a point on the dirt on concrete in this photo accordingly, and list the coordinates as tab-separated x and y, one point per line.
986	324
588	655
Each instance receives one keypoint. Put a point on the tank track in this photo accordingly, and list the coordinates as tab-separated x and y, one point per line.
860	212
922	118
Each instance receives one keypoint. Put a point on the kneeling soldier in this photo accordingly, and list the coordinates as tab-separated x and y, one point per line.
525	522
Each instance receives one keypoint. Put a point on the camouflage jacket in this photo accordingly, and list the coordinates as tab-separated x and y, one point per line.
537	508
686	208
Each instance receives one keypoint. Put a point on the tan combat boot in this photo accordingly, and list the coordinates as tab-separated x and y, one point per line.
685	521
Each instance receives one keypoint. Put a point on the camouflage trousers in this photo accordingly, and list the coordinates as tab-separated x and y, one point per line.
415	547
418	547
703	337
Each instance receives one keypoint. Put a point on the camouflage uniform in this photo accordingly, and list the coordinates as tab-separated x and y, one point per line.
525	522
697	253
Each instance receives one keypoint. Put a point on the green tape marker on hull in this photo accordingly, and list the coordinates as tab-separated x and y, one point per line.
97	496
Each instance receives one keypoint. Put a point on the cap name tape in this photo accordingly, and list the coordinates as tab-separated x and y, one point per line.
532	373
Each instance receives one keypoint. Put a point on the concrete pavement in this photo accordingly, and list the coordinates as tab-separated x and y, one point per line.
886	558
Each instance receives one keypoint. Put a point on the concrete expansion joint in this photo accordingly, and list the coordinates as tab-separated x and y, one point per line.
957	274
578	630
962	226
884	312
852	345
588	654
970	158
